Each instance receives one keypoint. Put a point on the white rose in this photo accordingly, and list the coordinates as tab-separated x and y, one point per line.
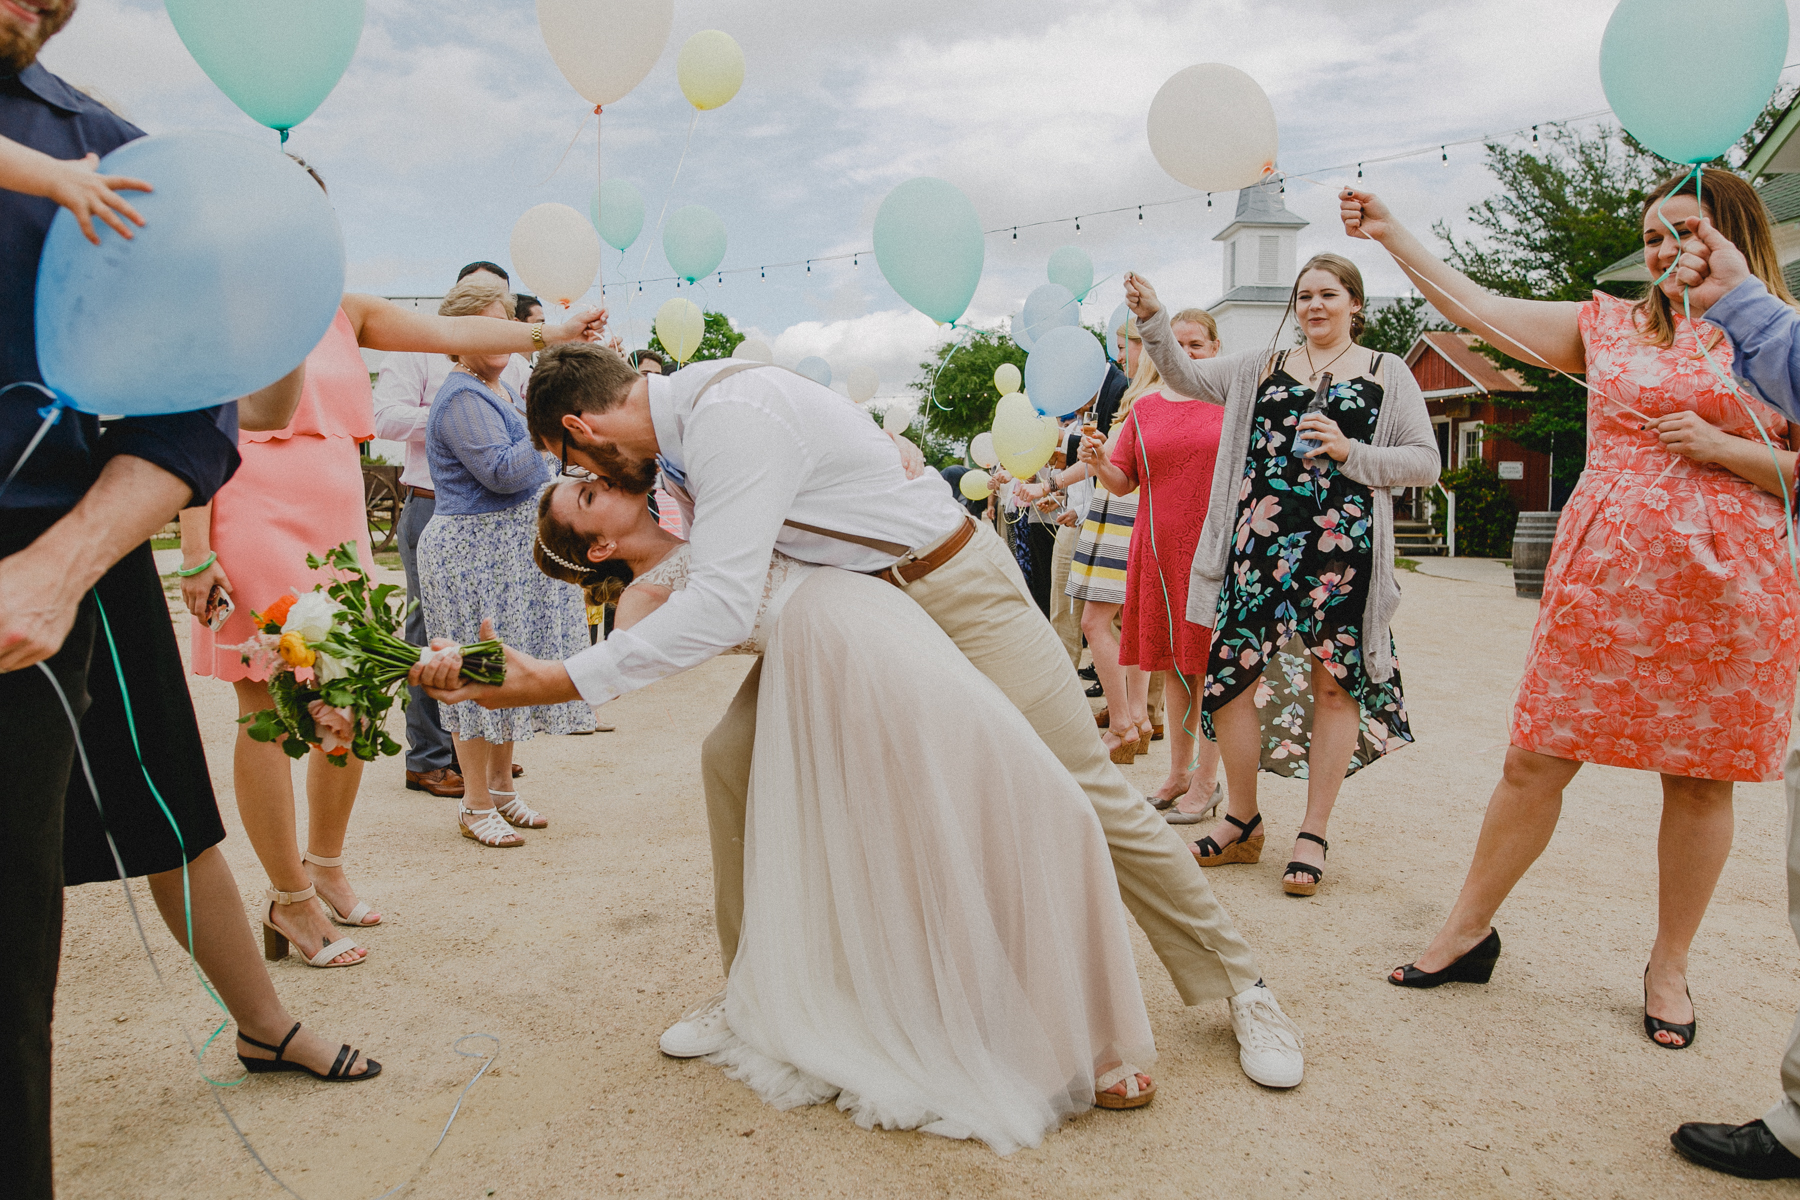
312	616
327	667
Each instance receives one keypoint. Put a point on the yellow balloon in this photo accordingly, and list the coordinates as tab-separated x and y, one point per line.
710	69
680	324
977	485
1008	379
1019	436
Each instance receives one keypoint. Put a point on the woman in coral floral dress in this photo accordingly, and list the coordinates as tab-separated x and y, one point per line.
1666	638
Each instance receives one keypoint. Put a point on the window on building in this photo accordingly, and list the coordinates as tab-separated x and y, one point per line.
1230	265
1268	258
1469	443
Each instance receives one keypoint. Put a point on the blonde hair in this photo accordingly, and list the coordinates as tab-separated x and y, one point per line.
1737	210
1197	316
472	296
1147	379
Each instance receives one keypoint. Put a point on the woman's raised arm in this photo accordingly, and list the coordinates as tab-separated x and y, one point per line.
1544	332
381	325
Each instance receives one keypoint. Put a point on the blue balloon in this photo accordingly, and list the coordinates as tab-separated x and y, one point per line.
1071	267
694	241
815	369
1064	370
276	60
1050	306
1730	50
617	211
1120	316
234	278
929	247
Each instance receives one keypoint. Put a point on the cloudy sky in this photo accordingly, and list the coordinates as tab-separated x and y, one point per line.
452	118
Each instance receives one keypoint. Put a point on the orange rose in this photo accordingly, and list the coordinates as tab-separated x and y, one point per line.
294	650
277	613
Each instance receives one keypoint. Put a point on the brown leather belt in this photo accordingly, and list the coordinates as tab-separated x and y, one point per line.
911	569
419	491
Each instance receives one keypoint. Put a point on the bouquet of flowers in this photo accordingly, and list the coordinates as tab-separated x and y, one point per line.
335	659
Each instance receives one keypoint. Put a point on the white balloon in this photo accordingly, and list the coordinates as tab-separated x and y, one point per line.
604	48
1212	128
862	384
754	349
556	252
897	419
981	449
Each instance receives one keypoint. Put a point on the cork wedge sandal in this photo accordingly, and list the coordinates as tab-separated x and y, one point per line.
1247	848
1136	1094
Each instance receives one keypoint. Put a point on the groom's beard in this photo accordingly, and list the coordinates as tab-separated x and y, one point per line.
19	48
634	475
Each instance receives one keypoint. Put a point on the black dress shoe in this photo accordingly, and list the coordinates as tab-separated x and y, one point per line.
1749	1151
1089	674
1095	691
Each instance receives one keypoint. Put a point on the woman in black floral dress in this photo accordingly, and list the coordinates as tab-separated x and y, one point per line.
1290	686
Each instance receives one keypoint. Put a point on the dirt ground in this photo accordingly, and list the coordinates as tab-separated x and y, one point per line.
577	950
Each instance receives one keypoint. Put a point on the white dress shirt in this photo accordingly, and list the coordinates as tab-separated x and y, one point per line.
764	446
404	389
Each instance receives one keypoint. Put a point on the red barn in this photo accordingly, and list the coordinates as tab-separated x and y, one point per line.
1459	383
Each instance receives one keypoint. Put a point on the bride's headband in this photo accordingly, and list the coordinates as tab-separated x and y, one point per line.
559	560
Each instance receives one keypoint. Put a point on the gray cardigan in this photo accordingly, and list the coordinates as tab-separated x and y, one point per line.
1404	454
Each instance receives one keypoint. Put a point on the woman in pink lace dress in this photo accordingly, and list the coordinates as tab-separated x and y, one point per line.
1666	638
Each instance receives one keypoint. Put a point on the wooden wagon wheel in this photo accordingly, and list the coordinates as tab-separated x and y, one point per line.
382	500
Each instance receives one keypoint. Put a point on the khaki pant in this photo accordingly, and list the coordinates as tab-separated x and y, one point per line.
1065	610
1784	1119
979	599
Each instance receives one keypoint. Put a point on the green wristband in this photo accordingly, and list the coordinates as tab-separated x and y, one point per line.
188	572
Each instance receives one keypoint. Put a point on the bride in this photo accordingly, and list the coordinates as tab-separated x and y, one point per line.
932	934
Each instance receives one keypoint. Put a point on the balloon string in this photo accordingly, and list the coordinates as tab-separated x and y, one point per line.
579	130
49	413
686	142
931	393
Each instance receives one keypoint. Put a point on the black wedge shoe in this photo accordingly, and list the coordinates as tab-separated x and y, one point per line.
1654	1026
1246	849
1305	887
1477	966
340	1070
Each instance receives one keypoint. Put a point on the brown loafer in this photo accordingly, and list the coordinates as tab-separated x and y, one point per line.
441	782
517	770
1156	733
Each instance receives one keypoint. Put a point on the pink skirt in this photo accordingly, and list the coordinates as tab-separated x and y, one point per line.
292	497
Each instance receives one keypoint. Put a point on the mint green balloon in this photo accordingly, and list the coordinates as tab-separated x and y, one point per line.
276	59
929	247
1071	267
617	211
1688	79
694	241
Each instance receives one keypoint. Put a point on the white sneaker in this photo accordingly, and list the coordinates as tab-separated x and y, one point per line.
702	1031
1269	1043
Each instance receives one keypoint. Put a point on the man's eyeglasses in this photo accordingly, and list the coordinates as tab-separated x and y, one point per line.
567	470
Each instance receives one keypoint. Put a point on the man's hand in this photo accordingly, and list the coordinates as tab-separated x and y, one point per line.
37	606
529	681
1140	297
1707	266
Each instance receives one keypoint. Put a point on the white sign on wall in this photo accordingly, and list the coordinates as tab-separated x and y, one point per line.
1512	470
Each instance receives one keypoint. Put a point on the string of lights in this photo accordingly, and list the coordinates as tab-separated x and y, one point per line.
1440	148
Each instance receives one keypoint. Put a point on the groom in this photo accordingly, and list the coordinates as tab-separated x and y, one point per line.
767	460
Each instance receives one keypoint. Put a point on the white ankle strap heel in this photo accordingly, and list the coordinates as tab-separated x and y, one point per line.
357	917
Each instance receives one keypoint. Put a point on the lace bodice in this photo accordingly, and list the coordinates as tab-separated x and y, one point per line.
784	575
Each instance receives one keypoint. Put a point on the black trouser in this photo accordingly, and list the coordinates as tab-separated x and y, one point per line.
31	879
1042	542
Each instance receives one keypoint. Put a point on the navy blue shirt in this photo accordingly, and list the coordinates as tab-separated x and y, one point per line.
39	110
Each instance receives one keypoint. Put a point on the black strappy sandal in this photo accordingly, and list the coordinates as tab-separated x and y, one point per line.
1246	849
1311	886
1656	1025
339	1073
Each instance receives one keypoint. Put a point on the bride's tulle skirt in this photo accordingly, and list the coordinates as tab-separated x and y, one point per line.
932	931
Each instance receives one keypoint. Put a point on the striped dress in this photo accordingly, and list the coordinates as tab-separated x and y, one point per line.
1097	573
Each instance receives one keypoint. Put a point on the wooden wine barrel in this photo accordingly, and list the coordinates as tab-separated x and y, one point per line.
1532	538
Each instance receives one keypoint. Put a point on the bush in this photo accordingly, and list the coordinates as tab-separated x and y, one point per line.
1485	511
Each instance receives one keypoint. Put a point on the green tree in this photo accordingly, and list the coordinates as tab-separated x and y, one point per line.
961	404
1485	511
720	339
1395	327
